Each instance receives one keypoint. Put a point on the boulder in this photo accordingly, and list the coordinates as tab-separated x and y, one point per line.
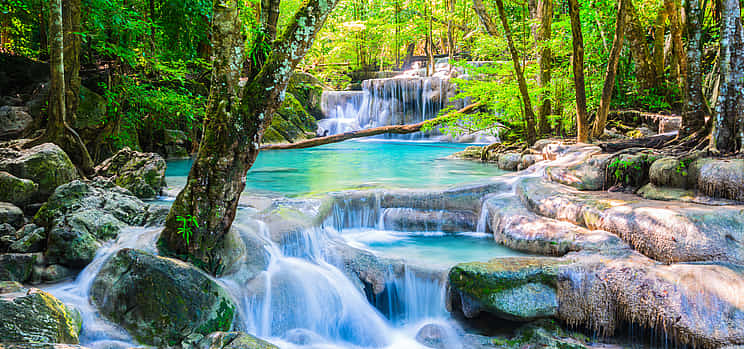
509	161
34	316
11	214
17	191
15	122
308	90
233	340
719	178
586	175
517	288
175	144
80	216
45	164
160	301
670	172
91	113
529	160
29	239
436	336
18	266
143	174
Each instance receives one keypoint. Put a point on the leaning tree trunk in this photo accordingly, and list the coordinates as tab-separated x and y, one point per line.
529	114
198	224
582	123
609	82
678	48
729	109
693	116
541	31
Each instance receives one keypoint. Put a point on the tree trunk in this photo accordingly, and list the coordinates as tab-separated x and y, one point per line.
236	119
693	116
541	31
582	123
678	47
659	35
529	114
642	57
730	98
56	119
72	41
609	80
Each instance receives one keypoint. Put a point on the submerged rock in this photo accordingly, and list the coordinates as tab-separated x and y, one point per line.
34	316
409	219
518	289
45	164
160	301
143	174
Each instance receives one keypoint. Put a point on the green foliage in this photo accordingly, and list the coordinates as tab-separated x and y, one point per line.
630	170
185	229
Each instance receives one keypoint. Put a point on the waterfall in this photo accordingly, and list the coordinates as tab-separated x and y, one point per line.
383	102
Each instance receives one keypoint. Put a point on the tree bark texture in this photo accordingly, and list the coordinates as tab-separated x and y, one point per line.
541	31
72	41
610	72
693	116
729	112
529	114
582	123
642	55
235	122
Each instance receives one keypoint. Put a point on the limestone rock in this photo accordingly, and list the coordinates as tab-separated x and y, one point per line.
509	161
29	239
18	266
143	174
670	172
720	178
37	317
79	216
45	164
14	122
17	191
11	214
160	301
518	288
233	340
586	175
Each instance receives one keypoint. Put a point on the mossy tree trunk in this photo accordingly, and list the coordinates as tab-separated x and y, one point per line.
529	114
233	127
582	123
730	105
612	61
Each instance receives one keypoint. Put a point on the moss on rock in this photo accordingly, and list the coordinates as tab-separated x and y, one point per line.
160	301
37	317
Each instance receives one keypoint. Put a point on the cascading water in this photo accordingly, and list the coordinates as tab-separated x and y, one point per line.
383	102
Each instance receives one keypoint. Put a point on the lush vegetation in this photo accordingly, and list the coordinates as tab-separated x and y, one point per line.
151	59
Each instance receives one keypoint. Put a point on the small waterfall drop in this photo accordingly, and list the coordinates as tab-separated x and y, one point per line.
382	102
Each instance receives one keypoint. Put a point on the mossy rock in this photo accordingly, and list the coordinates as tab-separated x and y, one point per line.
37	317
91	112
160	301
11	214
292	122
16	190
630	170
518	288
308	90
18	266
143	174
671	172
45	164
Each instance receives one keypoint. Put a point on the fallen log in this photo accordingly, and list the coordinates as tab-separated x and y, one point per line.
654	142
395	129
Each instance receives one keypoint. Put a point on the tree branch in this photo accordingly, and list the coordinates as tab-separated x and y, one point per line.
395	129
